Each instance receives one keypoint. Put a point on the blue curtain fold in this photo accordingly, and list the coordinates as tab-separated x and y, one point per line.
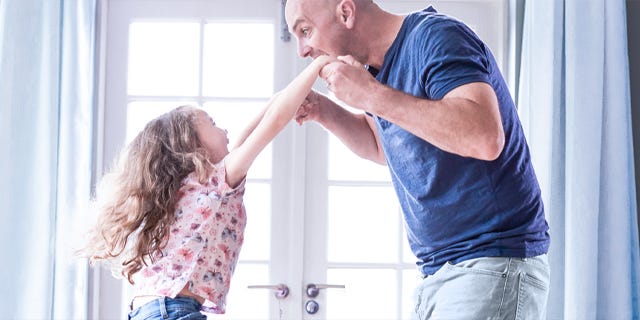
46	132
574	101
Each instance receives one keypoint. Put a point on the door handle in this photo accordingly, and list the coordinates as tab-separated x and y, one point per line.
281	290
314	289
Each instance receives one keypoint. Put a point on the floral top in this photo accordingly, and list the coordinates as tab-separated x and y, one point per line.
203	244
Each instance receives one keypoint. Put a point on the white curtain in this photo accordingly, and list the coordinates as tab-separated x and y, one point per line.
46	132
574	102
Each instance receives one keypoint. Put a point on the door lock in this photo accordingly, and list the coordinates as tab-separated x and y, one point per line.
311	306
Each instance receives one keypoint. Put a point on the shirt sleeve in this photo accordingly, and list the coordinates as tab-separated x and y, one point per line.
450	55
219	179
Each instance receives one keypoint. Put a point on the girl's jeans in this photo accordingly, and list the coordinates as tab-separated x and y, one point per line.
486	288
180	308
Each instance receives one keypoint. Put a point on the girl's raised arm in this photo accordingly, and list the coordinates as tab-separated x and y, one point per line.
246	131
279	112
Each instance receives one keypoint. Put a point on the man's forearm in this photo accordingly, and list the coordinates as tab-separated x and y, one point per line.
356	131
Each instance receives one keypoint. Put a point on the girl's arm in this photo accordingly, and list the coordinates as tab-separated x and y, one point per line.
253	124
280	111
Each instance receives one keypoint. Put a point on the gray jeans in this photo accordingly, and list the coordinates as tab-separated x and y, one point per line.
486	288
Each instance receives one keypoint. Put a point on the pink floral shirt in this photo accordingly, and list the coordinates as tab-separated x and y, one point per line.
203	245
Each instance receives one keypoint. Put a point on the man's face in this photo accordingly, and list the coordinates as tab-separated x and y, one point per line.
314	24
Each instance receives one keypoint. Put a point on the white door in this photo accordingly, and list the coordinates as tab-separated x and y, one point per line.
317	214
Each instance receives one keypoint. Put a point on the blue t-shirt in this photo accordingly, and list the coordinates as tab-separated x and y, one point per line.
457	208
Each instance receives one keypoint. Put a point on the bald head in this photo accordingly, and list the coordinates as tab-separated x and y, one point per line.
323	3
320	7
340	27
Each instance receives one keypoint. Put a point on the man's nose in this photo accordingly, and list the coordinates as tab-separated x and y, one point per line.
303	49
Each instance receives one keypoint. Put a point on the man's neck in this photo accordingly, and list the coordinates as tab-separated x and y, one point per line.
383	30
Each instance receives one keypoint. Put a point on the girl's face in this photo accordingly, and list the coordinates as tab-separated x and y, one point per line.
213	138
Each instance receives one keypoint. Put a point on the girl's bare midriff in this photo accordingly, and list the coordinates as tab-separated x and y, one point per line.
139	301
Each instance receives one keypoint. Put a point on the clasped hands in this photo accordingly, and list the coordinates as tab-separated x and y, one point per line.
347	79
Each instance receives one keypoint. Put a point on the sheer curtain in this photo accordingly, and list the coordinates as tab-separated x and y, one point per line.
46	130
574	101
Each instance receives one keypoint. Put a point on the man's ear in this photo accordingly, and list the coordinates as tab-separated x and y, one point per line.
346	12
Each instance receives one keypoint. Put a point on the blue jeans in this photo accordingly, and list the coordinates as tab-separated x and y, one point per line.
180	308
486	288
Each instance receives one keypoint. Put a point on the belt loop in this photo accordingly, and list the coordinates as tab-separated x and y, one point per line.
163	308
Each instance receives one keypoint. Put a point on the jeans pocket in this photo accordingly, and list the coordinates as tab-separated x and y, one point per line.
487	266
532	297
184	311
532	280
467	290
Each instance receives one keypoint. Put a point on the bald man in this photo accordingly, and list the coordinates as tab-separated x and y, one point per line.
438	113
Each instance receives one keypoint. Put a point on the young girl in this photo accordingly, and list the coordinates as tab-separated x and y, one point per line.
172	211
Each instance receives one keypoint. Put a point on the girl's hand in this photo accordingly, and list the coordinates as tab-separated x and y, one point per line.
323	60
310	108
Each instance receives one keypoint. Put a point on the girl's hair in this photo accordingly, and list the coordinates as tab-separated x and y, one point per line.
136	201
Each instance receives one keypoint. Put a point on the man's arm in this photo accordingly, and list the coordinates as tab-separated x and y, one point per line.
466	121
357	131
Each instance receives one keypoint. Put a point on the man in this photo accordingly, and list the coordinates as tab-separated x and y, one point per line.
437	111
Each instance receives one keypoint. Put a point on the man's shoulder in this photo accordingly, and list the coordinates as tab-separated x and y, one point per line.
431	20
431	29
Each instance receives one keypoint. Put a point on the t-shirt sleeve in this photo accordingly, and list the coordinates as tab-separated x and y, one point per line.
451	55
219	178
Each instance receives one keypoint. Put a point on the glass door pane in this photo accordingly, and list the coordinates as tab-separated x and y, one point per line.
238	59
365	243
163	58
364	225
346	165
368	294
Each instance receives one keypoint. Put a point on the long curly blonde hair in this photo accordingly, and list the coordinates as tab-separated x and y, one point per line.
136	200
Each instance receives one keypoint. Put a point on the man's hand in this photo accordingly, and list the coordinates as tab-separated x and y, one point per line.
350	82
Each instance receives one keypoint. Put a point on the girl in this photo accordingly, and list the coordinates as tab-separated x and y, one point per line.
172	212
